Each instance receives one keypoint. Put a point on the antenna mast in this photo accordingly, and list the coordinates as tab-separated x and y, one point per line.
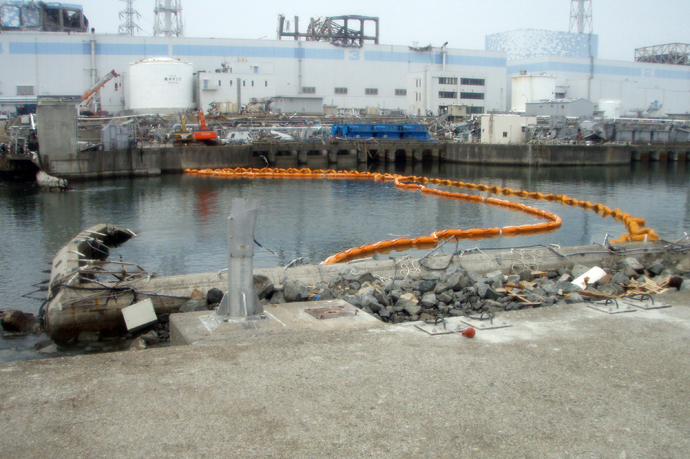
581	16
168	22
129	27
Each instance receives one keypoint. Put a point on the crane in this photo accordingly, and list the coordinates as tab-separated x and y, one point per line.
87	97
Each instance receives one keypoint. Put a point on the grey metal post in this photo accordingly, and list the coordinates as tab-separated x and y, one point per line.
240	301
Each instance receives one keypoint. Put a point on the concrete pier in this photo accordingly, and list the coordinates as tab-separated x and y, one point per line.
561	382
175	159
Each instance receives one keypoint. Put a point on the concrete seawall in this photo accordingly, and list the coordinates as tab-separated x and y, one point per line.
174	159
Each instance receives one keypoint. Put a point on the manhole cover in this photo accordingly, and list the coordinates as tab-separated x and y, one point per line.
330	312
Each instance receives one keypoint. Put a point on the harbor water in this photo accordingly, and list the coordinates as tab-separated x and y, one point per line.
181	220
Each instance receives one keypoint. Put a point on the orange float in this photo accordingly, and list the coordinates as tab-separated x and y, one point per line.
414	183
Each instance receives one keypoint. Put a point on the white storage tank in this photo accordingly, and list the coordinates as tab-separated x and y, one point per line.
161	85
530	88
611	108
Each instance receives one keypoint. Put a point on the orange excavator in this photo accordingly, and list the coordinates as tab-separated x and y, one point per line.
204	134
87	98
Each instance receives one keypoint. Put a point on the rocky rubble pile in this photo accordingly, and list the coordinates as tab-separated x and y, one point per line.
456	291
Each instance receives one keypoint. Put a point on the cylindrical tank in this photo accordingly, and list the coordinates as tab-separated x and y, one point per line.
529	88
161	85
611	108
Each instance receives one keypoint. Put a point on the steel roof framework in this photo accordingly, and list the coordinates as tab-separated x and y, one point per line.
671	53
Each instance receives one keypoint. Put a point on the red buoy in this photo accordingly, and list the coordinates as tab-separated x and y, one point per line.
470	332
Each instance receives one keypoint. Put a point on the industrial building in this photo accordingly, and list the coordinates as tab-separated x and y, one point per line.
544	64
176	73
337	63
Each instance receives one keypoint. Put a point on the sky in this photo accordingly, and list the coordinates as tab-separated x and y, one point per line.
622	25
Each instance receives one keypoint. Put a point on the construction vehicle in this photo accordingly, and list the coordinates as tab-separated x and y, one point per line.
182	135
87	99
204	134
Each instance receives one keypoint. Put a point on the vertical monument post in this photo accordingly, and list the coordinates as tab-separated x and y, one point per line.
240	301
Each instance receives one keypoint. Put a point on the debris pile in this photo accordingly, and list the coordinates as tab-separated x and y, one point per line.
458	292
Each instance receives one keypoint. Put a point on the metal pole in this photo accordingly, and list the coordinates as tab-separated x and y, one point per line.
240	301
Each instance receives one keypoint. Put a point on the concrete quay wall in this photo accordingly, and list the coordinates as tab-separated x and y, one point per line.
538	155
175	159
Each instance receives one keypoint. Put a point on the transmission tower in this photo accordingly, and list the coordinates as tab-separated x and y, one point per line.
129	27
168	22
581	16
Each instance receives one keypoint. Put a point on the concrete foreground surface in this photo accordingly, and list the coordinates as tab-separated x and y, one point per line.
562	382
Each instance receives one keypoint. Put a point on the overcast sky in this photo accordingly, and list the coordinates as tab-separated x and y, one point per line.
622	25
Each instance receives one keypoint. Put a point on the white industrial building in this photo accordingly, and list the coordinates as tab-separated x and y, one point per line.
171	73
635	89
232	70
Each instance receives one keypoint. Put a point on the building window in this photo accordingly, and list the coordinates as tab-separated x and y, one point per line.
559	95
472	95
252	83
25	90
401	92
341	90
447	95
472	81
266	83
308	90
244	82
505	134
371	91
218	82
230	83
475	110
447	80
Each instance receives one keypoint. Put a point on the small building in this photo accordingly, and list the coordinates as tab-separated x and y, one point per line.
505	129
432	92
297	104
572	108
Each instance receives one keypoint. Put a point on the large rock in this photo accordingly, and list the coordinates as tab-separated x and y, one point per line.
513	279
427	285
429	300
574	298
620	278
578	270
482	288
354	300
412	309
368	301
492	294
445	298
19	322
214	295
278	298
457	281
295	290
611	289
409	303
526	275
475	278
656	268
263	286
382	298
195	304
368	290
495	275
567	287
684	265
633	263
